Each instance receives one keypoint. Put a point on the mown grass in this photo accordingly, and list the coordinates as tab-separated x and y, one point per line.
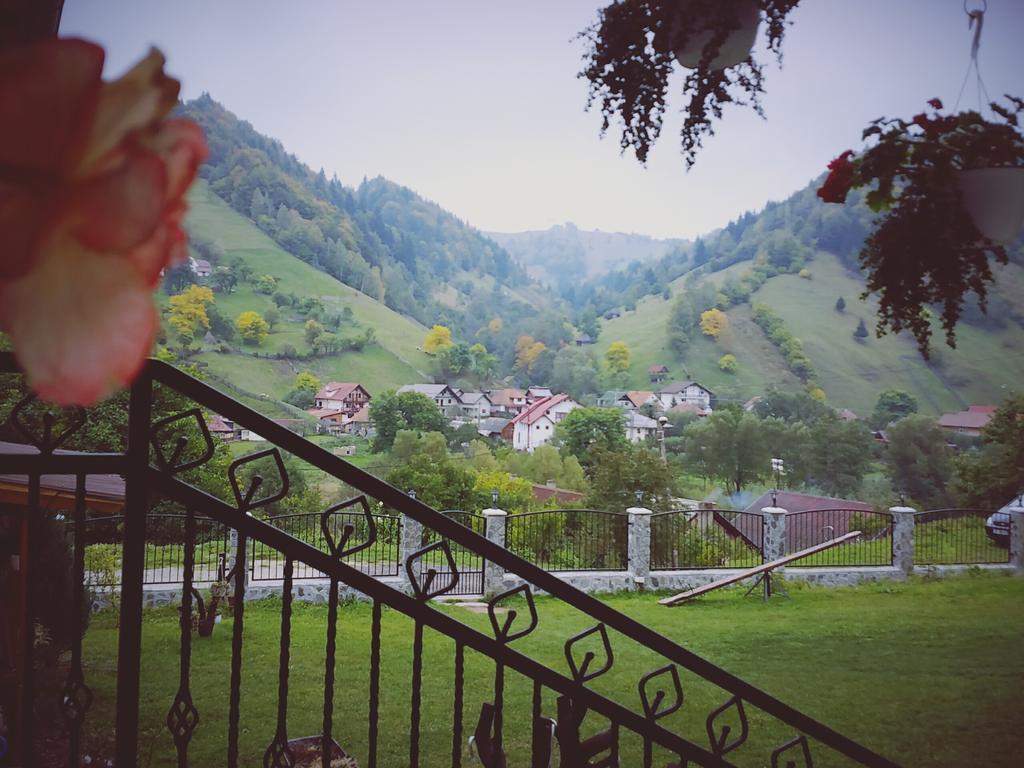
926	672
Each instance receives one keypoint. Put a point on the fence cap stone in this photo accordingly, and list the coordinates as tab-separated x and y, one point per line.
903	510
494	513
774	511
638	511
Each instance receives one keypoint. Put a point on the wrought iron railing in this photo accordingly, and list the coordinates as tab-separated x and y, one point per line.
560	701
380	558
960	537
817	526
705	538
570	539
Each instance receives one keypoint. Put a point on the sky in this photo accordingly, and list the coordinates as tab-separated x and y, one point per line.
475	104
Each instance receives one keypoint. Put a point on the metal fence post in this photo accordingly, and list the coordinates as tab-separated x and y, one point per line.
774	533
1017	536
639	547
903	538
494	530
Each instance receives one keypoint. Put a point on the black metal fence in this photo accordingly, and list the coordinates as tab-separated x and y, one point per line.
380	558
570	539
164	553
468	564
706	538
961	536
817	526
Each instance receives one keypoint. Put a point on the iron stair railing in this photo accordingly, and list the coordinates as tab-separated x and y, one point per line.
576	698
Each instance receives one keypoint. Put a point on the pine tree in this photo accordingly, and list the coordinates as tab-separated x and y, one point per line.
861	333
840	304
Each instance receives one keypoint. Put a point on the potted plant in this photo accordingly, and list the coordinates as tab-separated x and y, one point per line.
950	190
634	47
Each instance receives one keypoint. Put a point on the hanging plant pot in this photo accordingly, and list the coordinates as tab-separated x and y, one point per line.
307	753
737	45
994	199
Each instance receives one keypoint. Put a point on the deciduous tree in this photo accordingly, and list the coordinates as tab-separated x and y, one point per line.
438	339
713	322
618	357
584	429
391	412
252	328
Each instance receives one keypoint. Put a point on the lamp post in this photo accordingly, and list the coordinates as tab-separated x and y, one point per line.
494	498
662	426
778	469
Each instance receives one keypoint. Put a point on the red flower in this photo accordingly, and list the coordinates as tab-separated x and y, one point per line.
92	185
838	182
935	104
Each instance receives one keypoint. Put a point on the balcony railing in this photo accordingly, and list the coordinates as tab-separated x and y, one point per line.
156	465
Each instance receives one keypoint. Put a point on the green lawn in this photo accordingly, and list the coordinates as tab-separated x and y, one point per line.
927	672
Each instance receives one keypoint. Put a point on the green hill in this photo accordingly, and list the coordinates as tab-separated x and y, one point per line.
987	362
393	360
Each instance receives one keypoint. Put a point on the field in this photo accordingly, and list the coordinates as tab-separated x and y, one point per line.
985	364
395	360
926	672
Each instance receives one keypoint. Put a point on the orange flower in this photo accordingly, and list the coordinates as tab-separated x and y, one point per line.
92	185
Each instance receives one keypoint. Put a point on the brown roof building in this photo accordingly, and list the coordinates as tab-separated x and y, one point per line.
969	422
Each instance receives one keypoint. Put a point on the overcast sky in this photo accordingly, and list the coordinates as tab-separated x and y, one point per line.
475	104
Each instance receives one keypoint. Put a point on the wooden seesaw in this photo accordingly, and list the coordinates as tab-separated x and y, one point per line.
763	572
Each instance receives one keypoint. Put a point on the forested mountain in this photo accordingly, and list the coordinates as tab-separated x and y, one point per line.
565	255
380	238
788	284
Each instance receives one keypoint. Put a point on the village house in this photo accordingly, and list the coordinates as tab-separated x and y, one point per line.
657	373
200	267
298	426
329	420
476	405
533	394
343	396
637	399
535	426
583	340
443	395
221	427
640	427
359	423
508	400
969	422
492	427
685	392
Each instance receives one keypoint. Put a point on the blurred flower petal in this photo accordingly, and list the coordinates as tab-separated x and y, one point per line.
82	323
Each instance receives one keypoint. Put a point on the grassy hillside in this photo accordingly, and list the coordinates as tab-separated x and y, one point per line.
985	365
394	360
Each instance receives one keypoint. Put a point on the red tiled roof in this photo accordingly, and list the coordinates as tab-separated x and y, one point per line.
975	417
658	369
639	396
216	423
538	409
544	492
335	390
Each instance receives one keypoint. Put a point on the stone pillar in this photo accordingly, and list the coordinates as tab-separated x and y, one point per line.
494	530
1016	536
639	546
774	533
903	538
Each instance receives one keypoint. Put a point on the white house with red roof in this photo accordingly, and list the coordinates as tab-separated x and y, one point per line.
343	396
535	425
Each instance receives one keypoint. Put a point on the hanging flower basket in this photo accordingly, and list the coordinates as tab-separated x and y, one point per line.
698	29
950	189
307	750
994	199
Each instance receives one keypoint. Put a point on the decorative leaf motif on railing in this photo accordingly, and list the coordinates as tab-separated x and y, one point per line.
789	746
582	672
422	590
598	751
653	704
337	547
39	427
164	429
247	500
720	743
76	698
503	630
